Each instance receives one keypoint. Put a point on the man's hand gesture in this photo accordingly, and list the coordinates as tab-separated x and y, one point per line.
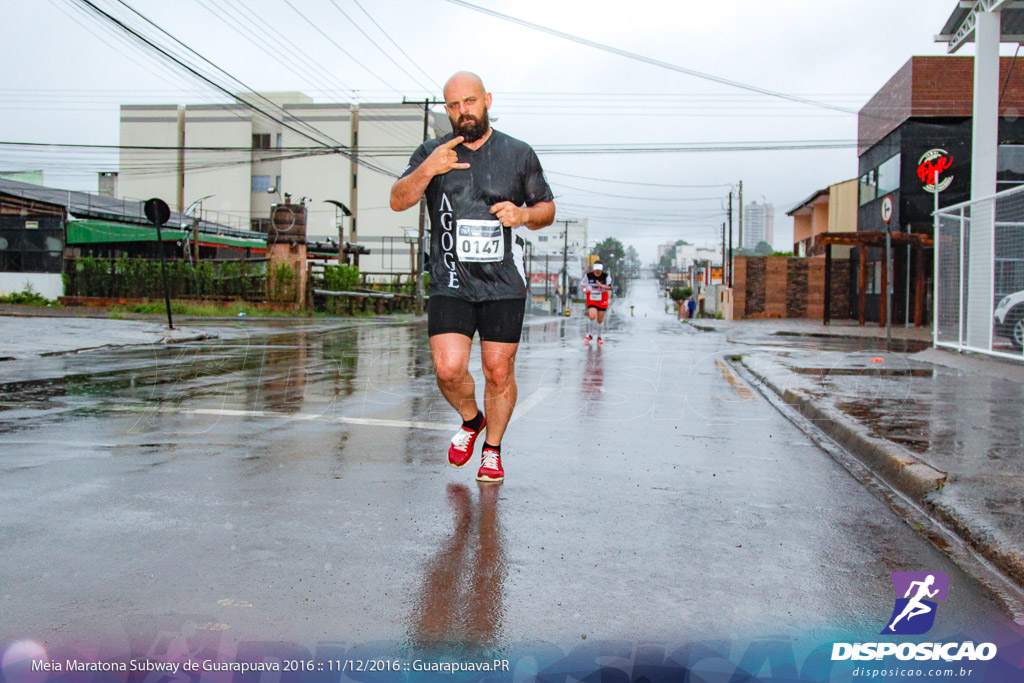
444	158
509	214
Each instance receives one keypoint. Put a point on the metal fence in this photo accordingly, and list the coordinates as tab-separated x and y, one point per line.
979	275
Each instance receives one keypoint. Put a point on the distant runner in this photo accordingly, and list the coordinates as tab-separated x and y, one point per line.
483	189
597	288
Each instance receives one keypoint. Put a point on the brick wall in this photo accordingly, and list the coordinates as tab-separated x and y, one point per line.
780	287
933	86
840	303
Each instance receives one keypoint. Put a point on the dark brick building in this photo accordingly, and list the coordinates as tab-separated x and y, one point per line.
918	124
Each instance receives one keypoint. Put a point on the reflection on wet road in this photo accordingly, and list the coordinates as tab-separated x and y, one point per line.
461	601
292	485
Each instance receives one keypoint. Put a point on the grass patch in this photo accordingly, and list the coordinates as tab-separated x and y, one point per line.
736	357
235	309
27	297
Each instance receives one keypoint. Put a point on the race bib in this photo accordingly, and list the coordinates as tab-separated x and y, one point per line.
595	295
479	241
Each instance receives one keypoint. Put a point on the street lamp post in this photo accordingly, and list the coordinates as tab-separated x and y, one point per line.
341	228
195	225
412	238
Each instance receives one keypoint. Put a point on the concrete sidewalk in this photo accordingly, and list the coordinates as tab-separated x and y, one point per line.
942	428
24	337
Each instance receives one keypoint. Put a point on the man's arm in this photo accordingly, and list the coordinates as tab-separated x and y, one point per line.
409	189
540	215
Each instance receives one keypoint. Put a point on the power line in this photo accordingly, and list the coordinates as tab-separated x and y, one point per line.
386	35
379	48
627	182
648	60
340	148
340	48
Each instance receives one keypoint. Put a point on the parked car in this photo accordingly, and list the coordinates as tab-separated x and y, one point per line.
1010	318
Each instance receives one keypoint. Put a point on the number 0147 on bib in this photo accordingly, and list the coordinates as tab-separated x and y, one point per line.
479	241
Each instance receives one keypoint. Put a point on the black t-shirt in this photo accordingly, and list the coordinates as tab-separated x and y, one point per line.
593	278
480	260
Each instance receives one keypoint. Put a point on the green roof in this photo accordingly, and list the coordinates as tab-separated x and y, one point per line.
95	231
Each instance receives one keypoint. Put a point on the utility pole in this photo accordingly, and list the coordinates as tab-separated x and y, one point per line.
741	215
565	264
723	254
730	239
418	267
353	198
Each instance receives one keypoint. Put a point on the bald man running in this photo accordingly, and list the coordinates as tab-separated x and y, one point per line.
482	188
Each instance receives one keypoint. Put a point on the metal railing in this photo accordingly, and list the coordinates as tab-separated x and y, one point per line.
979	275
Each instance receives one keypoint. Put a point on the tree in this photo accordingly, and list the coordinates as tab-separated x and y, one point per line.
763	249
613	256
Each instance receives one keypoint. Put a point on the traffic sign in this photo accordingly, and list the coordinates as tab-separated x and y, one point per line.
887	208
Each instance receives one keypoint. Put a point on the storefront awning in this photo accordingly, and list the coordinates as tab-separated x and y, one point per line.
95	231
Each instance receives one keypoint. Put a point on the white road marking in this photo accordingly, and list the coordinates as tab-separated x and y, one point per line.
530	403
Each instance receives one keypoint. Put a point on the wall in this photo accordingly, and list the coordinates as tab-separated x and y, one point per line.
227	125
49	285
842	206
780	287
322	177
157	125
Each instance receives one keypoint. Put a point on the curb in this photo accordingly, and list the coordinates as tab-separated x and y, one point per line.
912	477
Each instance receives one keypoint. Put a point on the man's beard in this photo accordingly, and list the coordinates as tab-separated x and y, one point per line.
471	128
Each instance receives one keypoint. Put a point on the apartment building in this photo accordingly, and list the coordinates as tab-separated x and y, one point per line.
758	224
269	157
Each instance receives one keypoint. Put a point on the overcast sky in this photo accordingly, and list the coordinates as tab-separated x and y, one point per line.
66	74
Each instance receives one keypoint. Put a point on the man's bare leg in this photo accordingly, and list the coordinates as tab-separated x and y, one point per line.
451	364
500	391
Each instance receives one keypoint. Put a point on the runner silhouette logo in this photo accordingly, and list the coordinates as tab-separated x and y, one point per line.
916	596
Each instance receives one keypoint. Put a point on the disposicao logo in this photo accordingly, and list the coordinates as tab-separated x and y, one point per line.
913	613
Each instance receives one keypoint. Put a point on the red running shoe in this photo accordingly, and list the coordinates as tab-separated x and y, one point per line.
586	340
460	452
600	342
490	469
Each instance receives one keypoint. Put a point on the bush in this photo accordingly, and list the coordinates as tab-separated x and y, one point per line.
680	293
26	297
140	278
341	278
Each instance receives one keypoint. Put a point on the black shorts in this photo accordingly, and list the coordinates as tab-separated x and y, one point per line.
496	321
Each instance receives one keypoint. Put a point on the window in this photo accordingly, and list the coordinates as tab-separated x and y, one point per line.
542	238
868	187
277	183
1010	166
260	183
889	176
279	137
881	180
24	249
261	141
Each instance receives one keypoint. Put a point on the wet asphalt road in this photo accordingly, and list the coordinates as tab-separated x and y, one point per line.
294	487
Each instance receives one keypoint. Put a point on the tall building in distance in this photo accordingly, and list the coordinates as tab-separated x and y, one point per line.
268	157
758	224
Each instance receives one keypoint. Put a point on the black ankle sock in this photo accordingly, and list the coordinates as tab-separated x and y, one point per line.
496	449
475	423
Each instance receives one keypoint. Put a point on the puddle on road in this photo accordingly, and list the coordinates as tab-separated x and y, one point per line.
852	371
830	343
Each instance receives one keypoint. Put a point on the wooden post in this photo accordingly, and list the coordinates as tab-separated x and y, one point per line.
827	316
862	283
309	290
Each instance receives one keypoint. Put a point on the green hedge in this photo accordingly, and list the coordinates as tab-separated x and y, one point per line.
137	278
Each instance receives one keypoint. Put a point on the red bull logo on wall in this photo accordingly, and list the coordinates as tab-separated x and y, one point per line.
932	162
